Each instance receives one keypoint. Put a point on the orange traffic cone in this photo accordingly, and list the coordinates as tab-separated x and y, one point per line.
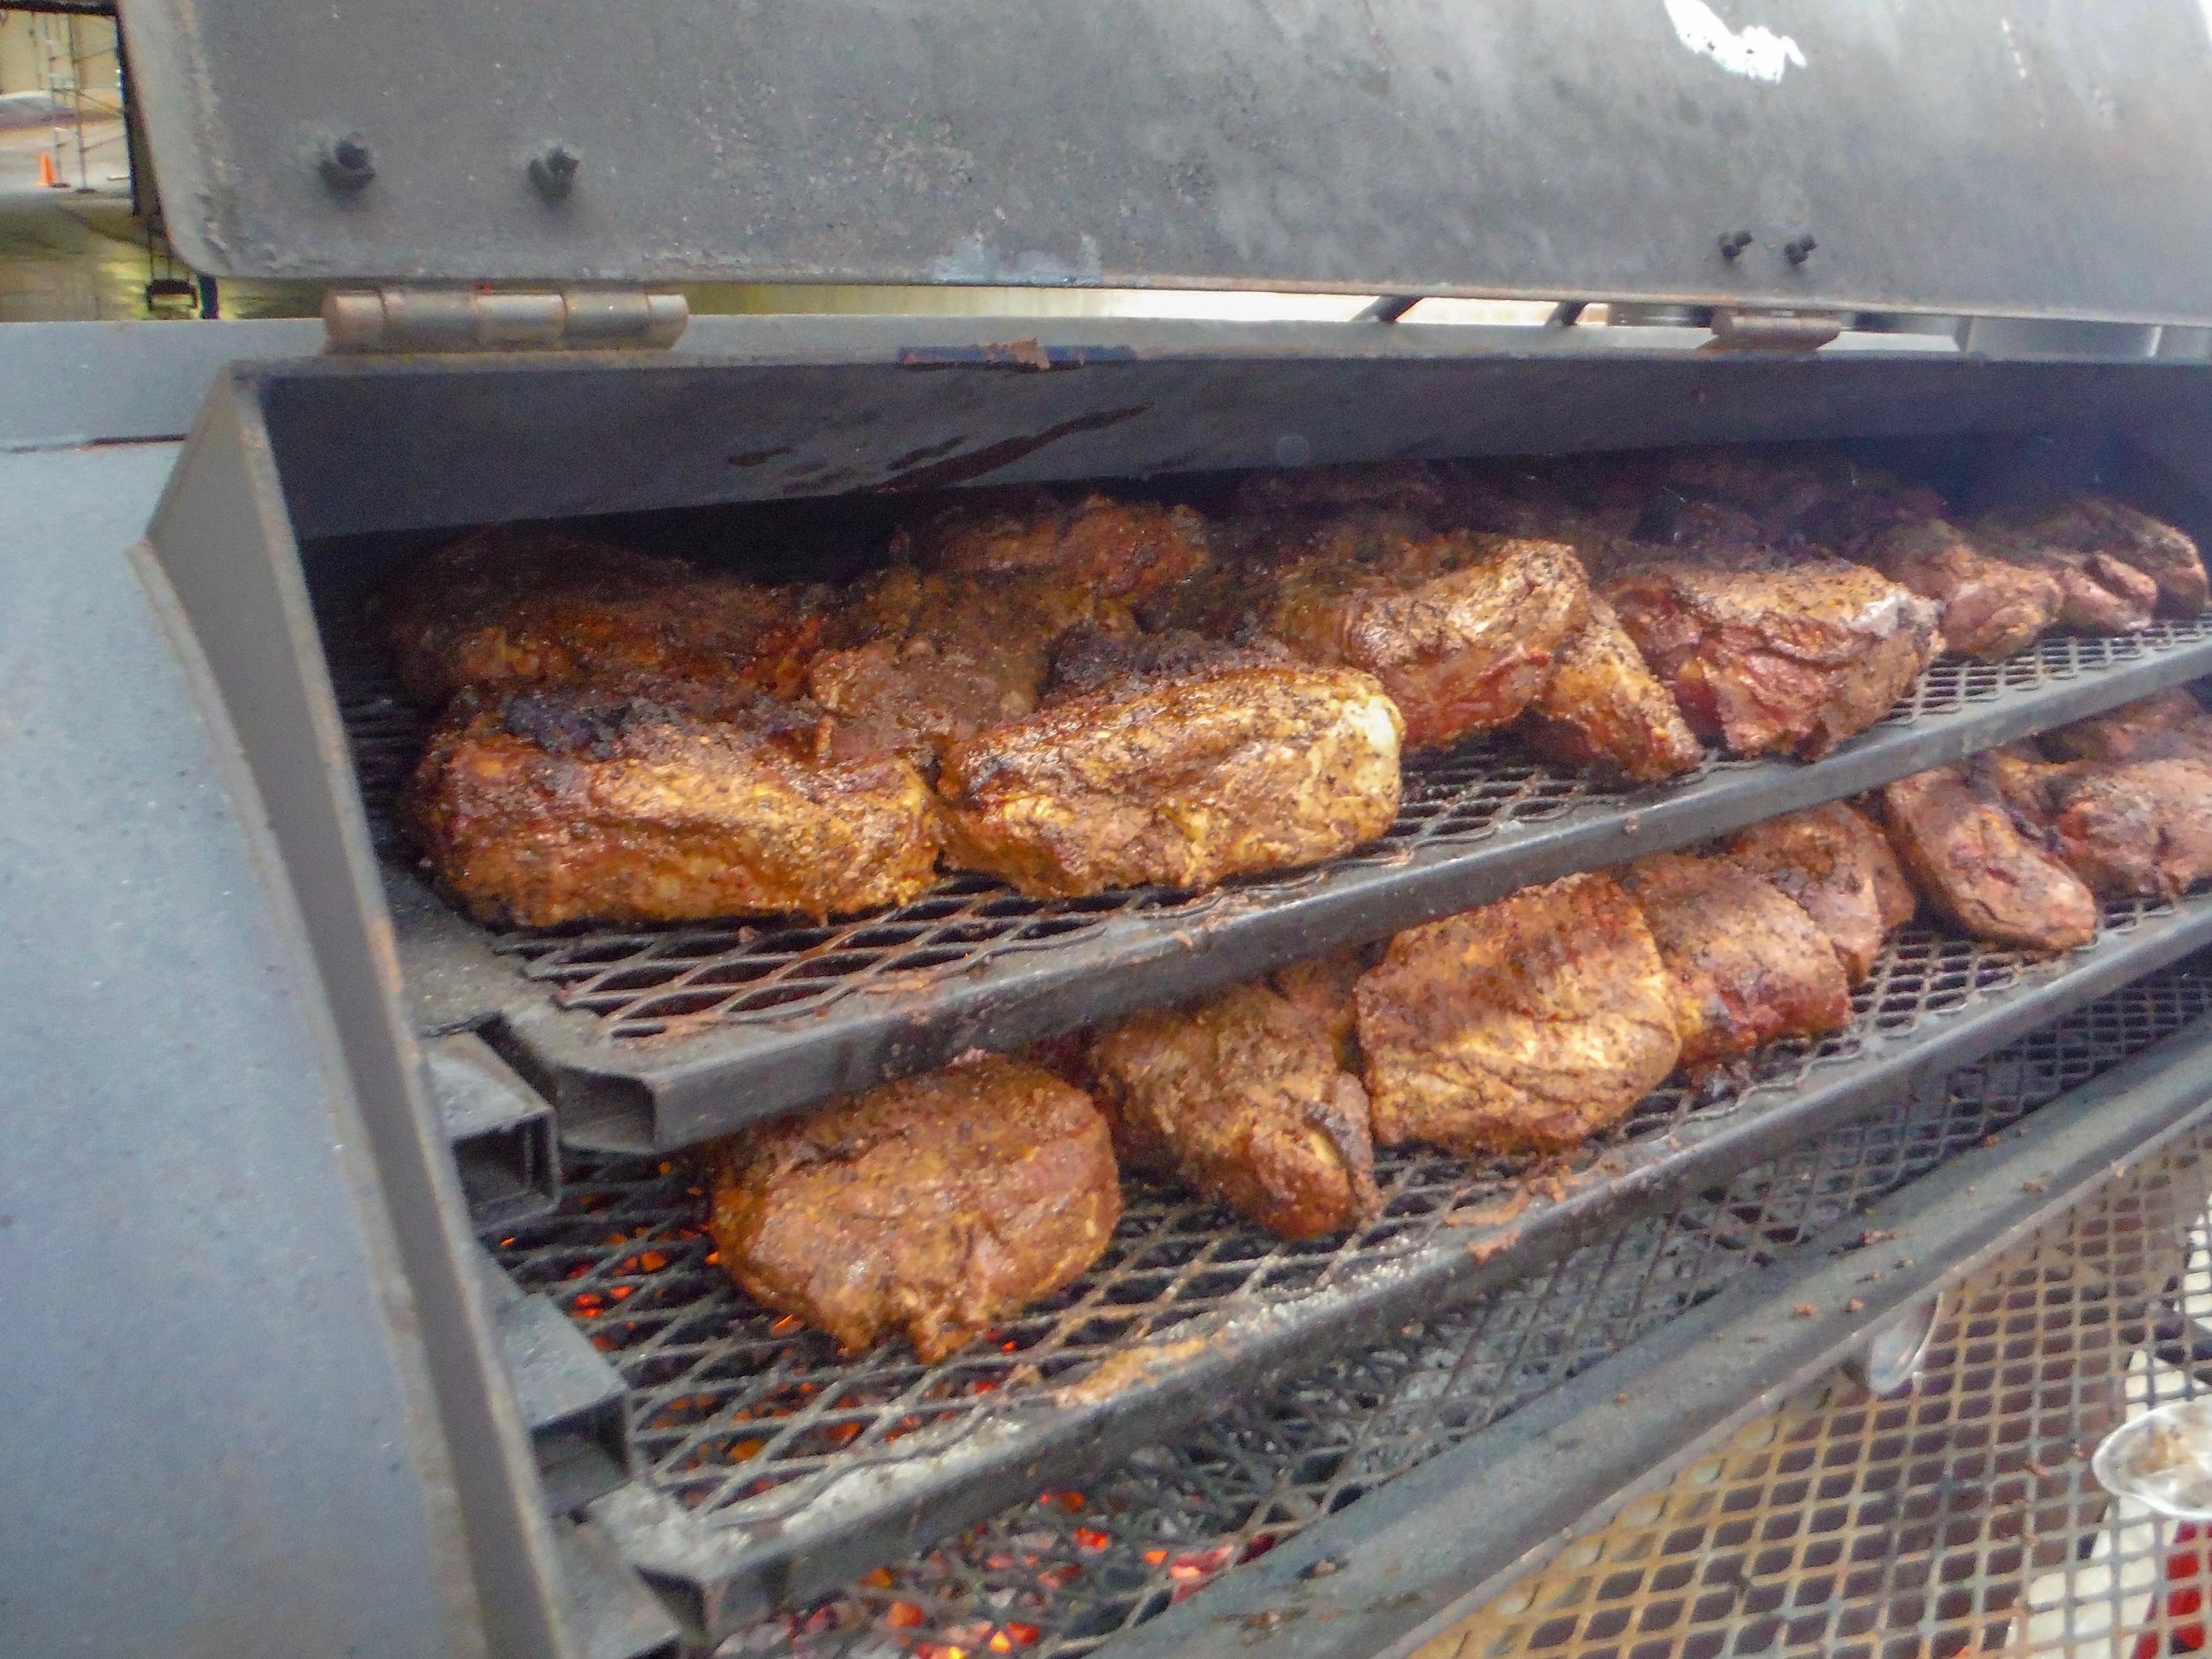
47	176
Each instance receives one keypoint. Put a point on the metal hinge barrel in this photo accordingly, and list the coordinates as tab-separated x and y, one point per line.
470	319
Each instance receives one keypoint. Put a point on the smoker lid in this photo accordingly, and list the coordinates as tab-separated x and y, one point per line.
2009	157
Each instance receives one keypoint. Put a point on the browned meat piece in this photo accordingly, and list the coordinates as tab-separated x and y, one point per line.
1605	709
1971	858
661	802
1835	862
1526	1025
2024	781
1321	987
1748	964
2096	525
2098	594
1242	1096
1178	779
1778	485
1115	549
928	660
518	606
2170	725
1090	656
1991	608
939	1205
1795	660
2140	829
1460	629
1866	504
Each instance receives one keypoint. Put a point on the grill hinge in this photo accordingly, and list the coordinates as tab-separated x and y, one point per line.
1736	330
413	320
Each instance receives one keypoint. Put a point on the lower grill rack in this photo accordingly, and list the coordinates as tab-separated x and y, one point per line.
1960	1518
1066	1573
779	1466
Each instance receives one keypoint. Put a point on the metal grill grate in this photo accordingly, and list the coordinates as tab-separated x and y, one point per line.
1060	1576
746	1420
1961	1519
650	982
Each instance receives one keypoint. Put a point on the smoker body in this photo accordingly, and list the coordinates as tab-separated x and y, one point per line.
389	1082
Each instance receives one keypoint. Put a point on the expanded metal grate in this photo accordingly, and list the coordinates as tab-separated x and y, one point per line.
647	980
1060	1576
1960	1518
745	1419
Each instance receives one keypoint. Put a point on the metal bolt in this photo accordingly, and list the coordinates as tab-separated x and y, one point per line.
1733	242
1799	249
553	171
1323	1568
346	164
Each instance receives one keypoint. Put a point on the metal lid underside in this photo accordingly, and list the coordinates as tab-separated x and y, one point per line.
2001	156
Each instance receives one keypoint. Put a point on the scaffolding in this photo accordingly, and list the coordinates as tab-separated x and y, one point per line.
80	71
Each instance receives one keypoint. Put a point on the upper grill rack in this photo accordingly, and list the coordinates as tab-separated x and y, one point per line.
653	1037
1057	1576
754	1427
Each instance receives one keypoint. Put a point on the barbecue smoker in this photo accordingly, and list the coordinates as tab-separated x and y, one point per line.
360	1299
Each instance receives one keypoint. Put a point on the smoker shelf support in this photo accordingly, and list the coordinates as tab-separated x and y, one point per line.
502	1131
572	1401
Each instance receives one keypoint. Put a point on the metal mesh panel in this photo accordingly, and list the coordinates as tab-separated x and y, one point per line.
744	1417
644	980
1062	1574
1960	1518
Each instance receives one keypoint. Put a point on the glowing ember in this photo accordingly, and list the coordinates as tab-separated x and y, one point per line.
903	1616
1091	1537
877	1578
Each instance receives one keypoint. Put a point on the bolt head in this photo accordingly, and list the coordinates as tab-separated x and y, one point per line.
1733	242
346	163
553	171
1799	249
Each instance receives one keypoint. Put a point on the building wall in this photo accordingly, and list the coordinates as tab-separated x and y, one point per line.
19	52
23	54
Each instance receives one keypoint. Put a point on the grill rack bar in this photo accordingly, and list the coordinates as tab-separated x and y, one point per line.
1058	1577
651	1039
779	1467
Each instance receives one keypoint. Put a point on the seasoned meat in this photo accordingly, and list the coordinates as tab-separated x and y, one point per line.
663	801
517	606
1835	862
2098	594
925	660
1972	860
1604	708
1460	629
1526	1025
1118	549
2170	725
1320	988
1779	485
2094	526
938	1206
1748	964
1241	1095
1991	608
2137	828
1796	659
1090	656
1177	779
